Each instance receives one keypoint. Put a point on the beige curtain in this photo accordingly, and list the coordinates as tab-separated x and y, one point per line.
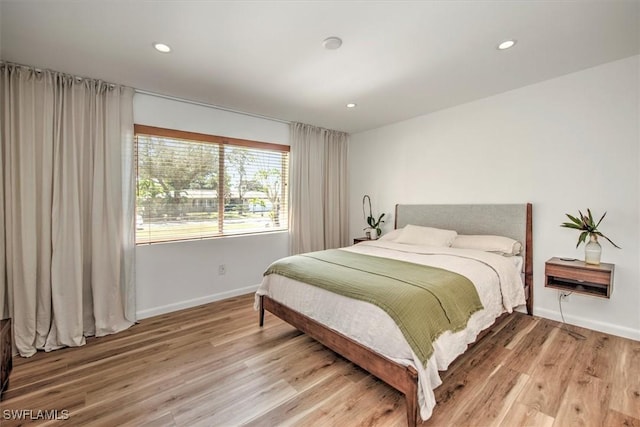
318	189
67	207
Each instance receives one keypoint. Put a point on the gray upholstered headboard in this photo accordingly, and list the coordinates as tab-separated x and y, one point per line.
501	220
510	220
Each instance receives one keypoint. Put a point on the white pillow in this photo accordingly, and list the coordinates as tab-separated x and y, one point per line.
498	244
426	236
392	235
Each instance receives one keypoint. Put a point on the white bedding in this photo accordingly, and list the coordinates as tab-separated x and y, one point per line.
496	278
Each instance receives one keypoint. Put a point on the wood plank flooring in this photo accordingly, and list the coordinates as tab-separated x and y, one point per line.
212	365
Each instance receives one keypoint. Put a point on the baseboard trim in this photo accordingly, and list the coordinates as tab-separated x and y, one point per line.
609	328
155	311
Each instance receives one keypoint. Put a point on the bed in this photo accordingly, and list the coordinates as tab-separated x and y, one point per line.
367	335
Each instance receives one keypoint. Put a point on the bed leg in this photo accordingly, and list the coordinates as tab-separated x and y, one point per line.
411	397
261	310
412	416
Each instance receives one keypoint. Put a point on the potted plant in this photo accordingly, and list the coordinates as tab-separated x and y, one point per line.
373	222
588	227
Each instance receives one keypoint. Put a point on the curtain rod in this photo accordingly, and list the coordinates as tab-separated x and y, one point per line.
217	107
145	92
39	70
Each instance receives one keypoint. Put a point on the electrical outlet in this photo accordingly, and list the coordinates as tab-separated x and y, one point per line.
564	296
222	269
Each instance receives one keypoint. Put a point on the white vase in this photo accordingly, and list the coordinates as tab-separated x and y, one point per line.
374	234
592	250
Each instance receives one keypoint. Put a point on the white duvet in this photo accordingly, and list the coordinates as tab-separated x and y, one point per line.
496	278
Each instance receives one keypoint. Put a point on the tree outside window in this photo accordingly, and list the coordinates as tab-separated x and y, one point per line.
179	181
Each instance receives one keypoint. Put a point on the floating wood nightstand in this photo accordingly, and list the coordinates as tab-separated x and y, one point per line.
576	276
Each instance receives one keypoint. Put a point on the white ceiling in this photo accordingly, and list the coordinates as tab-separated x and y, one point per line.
399	59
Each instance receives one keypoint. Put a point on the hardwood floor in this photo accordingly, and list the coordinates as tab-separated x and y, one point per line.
213	365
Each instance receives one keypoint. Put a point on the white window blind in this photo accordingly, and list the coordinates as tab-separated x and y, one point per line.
194	186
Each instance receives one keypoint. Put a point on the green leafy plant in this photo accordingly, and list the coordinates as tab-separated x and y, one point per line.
371	219
587	225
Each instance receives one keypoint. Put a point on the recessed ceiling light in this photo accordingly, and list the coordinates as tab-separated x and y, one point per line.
332	43
506	44
352	105
161	47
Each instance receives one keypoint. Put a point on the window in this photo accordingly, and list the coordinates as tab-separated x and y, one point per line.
193	186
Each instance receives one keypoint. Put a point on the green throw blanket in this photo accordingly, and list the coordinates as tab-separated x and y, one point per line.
423	301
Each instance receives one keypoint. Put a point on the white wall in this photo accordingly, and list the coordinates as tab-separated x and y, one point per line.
176	275
564	144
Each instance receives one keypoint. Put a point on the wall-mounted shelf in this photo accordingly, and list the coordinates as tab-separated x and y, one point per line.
576	276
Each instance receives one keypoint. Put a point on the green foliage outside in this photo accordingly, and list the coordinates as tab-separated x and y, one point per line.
178	184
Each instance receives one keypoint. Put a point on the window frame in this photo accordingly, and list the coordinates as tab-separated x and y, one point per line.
221	142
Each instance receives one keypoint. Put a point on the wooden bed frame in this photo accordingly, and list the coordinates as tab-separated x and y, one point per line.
402	378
